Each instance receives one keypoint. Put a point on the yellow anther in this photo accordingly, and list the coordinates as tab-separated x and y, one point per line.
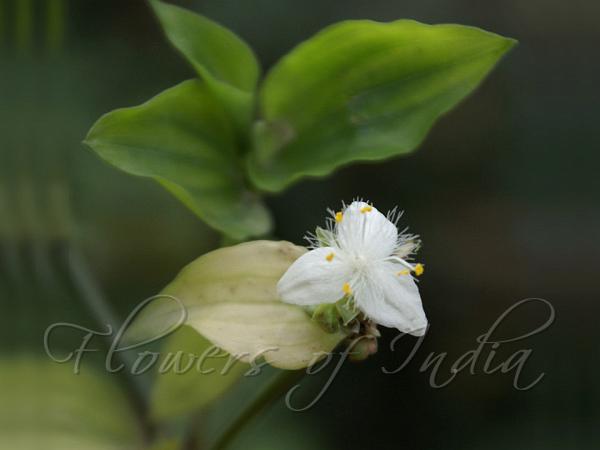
404	272
419	269
339	216
346	289
329	257
366	209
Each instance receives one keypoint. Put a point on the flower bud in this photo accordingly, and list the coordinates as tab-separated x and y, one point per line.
362	348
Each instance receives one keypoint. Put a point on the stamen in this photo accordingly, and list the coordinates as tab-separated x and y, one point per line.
329	257
339	216
346	288
401	261
419	269
404	272
366	209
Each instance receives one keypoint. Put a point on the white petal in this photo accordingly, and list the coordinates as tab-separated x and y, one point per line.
364	231
391	300
314	278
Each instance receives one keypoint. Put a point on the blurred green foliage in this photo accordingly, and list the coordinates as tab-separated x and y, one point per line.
501	190
85	411
190	374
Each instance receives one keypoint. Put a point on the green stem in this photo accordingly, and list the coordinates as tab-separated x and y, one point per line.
274	389
24	25
55	24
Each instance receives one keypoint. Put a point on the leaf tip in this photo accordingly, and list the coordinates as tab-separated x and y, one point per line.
88	140
509	43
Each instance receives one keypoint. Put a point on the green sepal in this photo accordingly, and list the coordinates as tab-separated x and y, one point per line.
324	237
347	311
326	315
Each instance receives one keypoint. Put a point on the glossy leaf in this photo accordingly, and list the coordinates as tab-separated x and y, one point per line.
362	90
191	374
224	61
184	139
230	297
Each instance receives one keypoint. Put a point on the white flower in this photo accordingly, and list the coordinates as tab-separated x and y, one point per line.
365	260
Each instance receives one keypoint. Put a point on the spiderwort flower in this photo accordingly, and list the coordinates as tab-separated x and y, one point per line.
365	260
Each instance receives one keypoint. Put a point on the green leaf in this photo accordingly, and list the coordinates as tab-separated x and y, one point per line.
168	444
224	61
45	405
184	139
362	90
192	373
230	297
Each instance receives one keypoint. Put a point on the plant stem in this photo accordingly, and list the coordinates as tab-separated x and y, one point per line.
273	390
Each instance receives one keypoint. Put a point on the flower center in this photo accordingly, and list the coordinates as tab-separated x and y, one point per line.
359	263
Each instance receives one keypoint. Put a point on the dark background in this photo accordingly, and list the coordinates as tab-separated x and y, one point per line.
504	193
